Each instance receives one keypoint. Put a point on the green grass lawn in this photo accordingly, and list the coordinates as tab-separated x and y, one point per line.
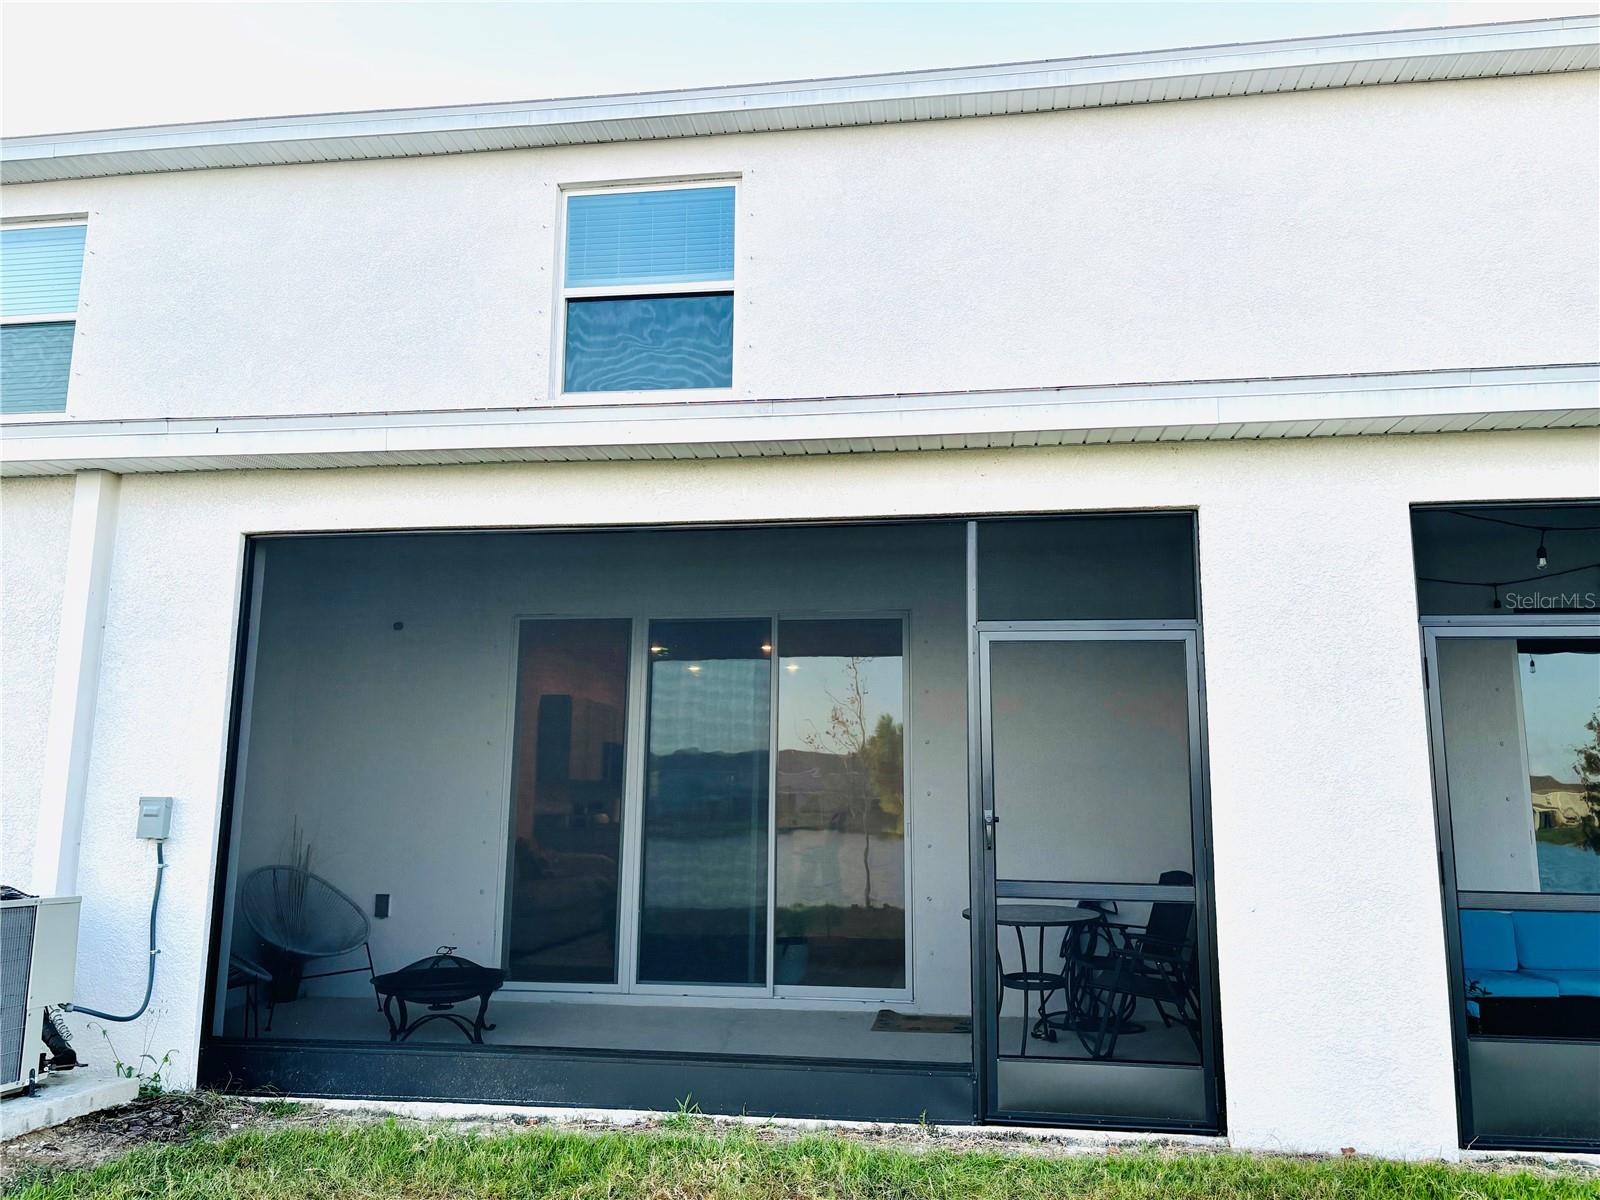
694	1162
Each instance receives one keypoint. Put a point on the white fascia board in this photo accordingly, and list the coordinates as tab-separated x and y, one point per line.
1495	398
1302	64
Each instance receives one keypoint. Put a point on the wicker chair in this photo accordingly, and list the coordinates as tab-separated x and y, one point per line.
301	917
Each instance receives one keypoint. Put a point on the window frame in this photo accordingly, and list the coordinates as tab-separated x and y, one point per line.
630	291
55	318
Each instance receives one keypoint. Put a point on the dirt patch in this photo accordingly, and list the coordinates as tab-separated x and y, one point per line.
99	1137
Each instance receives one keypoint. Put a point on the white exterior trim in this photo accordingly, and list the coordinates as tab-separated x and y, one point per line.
1256	68
90	543
1543	397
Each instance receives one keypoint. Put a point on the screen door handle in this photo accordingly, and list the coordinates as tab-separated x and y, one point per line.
989	822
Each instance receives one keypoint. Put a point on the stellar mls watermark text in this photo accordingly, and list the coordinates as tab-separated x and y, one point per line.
1553	601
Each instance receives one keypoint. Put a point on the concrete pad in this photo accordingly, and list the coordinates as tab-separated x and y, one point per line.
62	1096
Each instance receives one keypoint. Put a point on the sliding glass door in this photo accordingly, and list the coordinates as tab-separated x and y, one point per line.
703	891
1516	727
767	824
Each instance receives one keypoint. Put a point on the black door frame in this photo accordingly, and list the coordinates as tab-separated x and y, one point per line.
985	888
1508	626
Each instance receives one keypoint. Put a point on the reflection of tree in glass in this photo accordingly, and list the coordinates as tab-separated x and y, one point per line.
1587	765
873	760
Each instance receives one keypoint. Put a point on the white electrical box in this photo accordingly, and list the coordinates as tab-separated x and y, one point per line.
155	817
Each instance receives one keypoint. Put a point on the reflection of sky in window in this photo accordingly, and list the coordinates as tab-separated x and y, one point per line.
804	700
720	707
1558	696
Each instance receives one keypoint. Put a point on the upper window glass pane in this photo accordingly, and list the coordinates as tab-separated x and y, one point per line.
649	343
35	365
1087	568
1521	721
39	270
1506	559
682	235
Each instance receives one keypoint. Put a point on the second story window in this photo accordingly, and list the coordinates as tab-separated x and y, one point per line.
39	270
647	289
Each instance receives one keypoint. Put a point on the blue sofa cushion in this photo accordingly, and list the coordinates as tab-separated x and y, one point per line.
1555	941
1521	984
1571	983
1488	942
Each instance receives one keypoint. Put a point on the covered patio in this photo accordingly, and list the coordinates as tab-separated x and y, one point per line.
704	796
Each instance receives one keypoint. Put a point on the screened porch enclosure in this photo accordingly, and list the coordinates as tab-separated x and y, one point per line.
645	775
609	801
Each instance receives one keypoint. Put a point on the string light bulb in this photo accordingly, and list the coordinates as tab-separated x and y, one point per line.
1541	556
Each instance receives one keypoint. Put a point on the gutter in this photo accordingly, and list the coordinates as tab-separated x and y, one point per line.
1305	64
1496	398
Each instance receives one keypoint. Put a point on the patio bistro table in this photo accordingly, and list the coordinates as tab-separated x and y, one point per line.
1044	983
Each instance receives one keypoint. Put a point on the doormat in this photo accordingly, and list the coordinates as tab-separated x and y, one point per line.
889	1021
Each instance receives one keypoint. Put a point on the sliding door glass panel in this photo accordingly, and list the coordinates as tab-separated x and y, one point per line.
841	904
1522	760
1091	760
703	901
1087	568
566	800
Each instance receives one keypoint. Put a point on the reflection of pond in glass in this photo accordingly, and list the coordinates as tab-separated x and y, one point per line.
815	867
1567	868
821	867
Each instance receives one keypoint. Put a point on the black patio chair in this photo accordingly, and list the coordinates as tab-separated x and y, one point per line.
301	918
1157	962
1086	949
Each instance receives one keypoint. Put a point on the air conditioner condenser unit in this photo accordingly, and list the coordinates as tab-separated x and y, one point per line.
38	954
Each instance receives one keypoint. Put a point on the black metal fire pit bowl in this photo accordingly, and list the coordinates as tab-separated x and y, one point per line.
439	981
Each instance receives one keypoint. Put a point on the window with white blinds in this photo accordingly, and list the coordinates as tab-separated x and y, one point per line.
40	267
647	289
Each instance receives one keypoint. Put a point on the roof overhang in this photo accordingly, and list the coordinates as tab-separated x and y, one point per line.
1544	397
1255	68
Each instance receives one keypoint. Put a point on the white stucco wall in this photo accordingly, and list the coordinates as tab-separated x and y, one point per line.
35	516
1329	929
1439	225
